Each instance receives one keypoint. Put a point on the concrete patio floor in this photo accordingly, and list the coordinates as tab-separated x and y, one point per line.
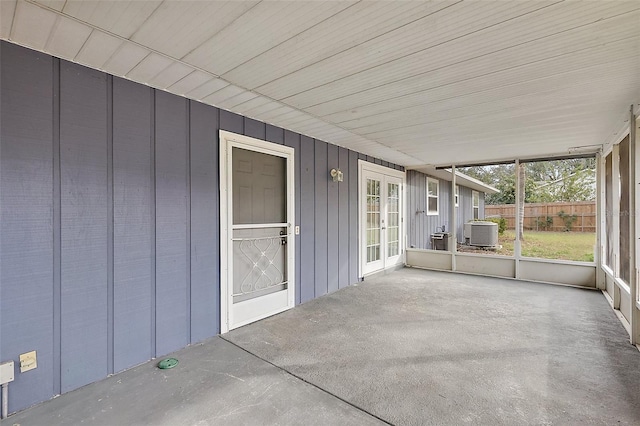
410	347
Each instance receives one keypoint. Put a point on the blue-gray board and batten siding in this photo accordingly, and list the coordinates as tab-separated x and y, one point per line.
109	243
421	225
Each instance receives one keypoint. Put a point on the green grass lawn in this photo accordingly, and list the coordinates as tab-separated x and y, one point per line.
551	245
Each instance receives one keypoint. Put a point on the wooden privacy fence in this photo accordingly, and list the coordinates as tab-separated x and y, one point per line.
545	216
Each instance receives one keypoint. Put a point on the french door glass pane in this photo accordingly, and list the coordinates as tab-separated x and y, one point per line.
393	213
373	220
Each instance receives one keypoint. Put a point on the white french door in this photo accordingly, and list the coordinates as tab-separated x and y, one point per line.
381	218
256	221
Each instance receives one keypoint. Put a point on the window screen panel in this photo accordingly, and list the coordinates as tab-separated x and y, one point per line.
625	218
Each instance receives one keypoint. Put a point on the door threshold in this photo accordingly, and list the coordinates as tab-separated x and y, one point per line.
385	271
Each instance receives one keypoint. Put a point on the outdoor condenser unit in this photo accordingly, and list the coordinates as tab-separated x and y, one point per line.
481	234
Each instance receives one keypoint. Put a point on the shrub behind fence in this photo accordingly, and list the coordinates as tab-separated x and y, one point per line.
580	216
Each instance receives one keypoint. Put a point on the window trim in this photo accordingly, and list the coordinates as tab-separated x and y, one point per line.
456	194
475	195
436	196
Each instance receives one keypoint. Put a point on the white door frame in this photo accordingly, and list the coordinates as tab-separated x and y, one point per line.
367	166
228	141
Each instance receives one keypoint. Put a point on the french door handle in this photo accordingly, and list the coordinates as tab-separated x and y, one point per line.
383	228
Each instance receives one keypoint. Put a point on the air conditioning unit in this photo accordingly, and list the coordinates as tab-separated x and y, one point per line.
467	232
481	234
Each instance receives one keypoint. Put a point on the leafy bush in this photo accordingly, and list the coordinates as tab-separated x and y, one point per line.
545	222
568	219
501	221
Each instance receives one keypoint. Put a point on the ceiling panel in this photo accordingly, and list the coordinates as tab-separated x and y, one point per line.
350	27
556	49
7	9
32	25
411	82
450	23
98	49
67	38
259	110
223	94
189	82
258	101
52	4
272	115
271	23
231	103
177	28
561	74
125	59
152	65
170	75
118	17
208	87
457	53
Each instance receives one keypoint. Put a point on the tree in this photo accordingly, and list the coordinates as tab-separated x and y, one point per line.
545	181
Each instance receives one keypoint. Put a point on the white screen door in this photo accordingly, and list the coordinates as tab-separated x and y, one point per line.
381	242
256	230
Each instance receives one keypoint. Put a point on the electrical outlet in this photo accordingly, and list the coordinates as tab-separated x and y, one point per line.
6	372
28	361
297	230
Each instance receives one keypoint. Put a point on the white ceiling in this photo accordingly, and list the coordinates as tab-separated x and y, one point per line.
415	83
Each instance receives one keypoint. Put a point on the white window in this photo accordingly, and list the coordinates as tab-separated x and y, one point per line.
433	187
457	194
476	204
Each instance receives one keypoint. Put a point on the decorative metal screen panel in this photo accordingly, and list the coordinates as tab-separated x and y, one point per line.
259	262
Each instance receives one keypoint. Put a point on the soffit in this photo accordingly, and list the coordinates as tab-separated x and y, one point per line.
414	83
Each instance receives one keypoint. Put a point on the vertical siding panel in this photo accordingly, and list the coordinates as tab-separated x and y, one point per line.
171	222
131	225
254	128
354	260
277	135
26	231
444	208
110	267
465	212
57	244
468	205
320	230
205	222
231	122
83	145
307	218
292	140
343	219
481	205
332	219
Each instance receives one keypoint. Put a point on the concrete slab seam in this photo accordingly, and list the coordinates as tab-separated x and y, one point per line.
306	381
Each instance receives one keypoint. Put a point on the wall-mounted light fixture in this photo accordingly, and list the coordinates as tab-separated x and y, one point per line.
336	174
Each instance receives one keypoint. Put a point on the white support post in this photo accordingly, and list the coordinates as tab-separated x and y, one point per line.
634	225
453	241
615	218
599	254
516	243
